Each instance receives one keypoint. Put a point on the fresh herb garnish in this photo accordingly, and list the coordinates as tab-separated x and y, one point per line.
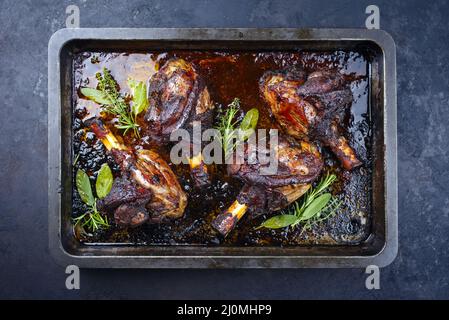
248	124
139	93
114	103
104	181
279	221
315	207
96	95
84	188
93	219
232	131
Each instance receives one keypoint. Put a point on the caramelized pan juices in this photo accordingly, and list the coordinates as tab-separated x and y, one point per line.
227	75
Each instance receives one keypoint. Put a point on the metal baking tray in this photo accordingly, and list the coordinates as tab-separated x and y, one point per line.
380	248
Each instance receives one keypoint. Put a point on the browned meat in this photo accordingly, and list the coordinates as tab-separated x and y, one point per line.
178	98
312	107
131	214
299	164
154	174
296	163
123	191
320	82
147	182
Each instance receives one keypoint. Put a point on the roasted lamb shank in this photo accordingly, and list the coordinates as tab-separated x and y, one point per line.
178	98
311	107
147	191
299	164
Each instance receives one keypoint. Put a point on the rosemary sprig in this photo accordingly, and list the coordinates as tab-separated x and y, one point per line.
329	211
315	207
311	195
227	127
233	131
92	219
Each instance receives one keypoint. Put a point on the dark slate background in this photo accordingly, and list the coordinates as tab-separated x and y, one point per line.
420	29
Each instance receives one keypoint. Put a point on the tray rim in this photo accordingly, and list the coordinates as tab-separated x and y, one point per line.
61	37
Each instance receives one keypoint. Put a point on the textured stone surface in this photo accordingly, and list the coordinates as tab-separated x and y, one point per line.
420	30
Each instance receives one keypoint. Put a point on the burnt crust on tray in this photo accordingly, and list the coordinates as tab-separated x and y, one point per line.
337	124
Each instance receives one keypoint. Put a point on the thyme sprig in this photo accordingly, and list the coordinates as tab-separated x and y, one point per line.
117	106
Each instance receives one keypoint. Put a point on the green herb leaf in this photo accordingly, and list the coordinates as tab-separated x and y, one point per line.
114	103
250	119
315	206
92	219
139	93
248	124
104	181
226	127
230	136
96	95
280	221
84	187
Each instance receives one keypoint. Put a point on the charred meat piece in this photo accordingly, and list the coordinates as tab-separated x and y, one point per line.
154	174
131	214
178	98
123	191
257	200
299	164
296	163
320	82
148	190
311	107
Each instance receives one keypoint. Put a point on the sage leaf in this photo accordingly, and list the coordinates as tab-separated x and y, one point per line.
139	93
104	181
248	125
96	95
280	221
315	207
84	188
243	135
